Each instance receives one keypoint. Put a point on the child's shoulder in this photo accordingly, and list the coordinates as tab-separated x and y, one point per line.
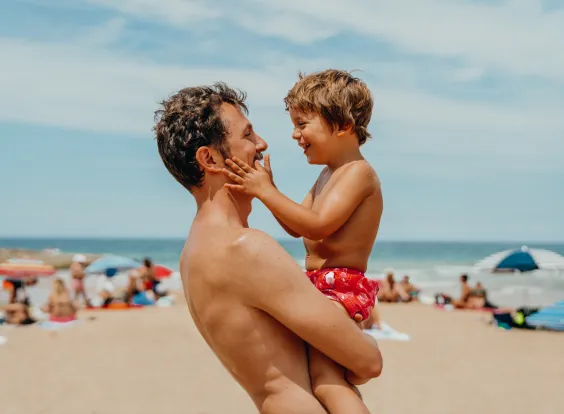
362	171
354	177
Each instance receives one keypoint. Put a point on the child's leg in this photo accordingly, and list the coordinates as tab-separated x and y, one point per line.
330	386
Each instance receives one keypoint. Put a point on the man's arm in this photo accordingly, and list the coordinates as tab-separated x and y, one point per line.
271	280
354	185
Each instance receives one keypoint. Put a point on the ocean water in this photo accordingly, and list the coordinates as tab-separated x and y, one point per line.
433	266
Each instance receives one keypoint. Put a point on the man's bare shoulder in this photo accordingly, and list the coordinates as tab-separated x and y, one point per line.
258	260
254	245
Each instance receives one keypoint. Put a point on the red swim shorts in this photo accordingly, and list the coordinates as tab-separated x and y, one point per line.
349	287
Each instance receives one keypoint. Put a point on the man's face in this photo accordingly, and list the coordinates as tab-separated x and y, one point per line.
244	143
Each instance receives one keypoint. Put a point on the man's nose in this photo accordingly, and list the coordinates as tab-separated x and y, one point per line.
296	134
261	144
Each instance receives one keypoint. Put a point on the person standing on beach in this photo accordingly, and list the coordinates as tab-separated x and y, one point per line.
247	296
77	277
339	217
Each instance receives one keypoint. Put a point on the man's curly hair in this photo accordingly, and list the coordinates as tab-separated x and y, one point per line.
188	120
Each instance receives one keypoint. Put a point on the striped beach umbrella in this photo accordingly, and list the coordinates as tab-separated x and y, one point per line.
523	260
549	317
21	268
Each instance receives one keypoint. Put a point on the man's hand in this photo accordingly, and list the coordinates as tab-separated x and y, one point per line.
251	181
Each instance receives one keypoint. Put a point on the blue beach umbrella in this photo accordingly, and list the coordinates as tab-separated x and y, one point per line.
111	261
523	260
550	317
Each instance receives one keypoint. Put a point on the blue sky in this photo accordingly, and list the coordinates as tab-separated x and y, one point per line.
467	130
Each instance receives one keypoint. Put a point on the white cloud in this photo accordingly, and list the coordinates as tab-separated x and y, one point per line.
85	86
515	36
178	12
74	86
104	34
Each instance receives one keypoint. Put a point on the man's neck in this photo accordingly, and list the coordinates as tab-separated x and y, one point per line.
234	207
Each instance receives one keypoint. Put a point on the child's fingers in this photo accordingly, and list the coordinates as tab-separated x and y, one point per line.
232	176
235	167
246	167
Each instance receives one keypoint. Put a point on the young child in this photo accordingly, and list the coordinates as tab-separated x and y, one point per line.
339	217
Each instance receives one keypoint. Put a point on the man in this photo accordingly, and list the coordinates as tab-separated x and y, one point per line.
147	274
248	298
461	302
411	291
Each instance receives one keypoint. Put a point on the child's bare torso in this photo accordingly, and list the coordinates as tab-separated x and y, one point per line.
350	246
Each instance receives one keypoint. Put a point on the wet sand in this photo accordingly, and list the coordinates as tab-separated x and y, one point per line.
154	361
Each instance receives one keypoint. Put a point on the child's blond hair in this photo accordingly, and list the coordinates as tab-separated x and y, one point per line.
340	98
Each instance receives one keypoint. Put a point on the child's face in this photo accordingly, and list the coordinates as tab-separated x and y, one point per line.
313	135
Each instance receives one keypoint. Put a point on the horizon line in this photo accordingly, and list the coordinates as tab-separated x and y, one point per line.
282	239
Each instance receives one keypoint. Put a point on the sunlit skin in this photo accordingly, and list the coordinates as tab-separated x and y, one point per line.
250	300
338	219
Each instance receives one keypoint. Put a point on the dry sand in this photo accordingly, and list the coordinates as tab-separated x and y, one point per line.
154	361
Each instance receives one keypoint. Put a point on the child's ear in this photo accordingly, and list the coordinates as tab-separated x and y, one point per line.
209	159
346	129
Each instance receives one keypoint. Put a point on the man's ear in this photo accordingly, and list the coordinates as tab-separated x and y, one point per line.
209	159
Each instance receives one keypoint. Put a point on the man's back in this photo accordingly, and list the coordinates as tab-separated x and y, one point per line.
266	358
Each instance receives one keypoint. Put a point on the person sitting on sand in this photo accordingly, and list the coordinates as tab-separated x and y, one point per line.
461	302
409	288
391	291
16	286
248	297
60	306
18	314
105	288
478	298
147	274
135	285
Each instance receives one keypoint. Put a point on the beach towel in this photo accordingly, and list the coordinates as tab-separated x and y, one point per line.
142	299
387	332
549	317
452	308
55	326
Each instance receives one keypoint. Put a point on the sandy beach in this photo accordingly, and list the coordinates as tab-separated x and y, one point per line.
154	361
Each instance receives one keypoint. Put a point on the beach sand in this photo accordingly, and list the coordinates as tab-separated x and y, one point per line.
154	361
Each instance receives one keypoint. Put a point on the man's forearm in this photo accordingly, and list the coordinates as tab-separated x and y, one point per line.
354	379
